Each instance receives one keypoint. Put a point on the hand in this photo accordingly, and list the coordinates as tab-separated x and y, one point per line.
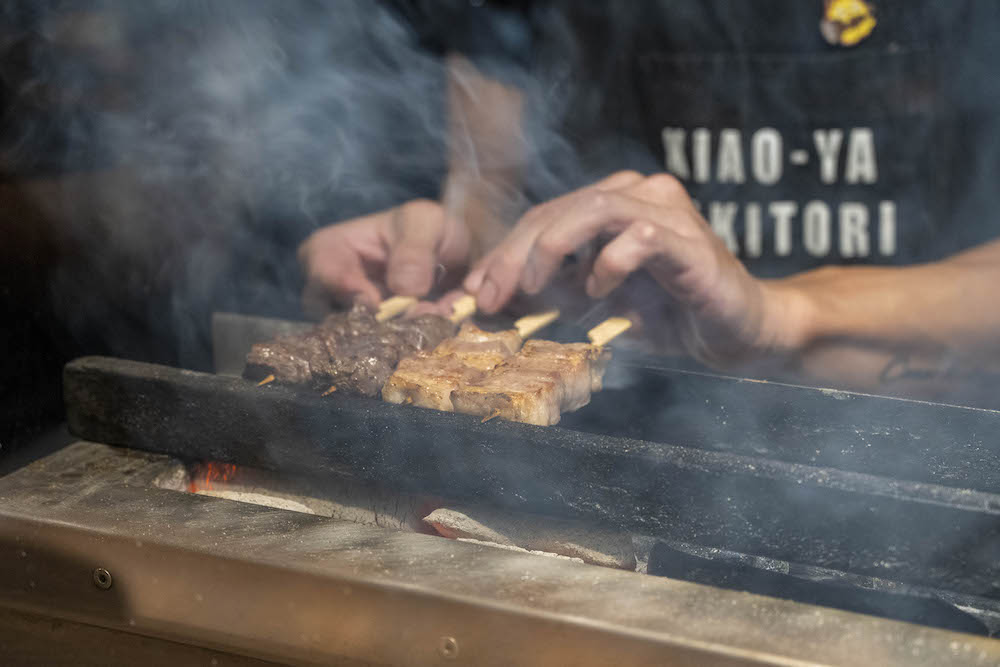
719	313
399	251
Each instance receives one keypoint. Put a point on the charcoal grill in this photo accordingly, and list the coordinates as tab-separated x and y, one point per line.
873	489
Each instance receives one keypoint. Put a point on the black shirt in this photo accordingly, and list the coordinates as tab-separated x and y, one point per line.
798	152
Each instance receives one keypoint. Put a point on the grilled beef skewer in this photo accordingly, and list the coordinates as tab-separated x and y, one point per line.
351	351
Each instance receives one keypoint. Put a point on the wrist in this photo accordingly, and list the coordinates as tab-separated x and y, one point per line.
789	320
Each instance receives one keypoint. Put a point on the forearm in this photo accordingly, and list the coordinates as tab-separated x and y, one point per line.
917	330
485	153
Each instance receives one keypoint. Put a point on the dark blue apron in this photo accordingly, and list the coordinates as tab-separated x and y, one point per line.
798	152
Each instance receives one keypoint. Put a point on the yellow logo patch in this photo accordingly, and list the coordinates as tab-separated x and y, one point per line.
847	22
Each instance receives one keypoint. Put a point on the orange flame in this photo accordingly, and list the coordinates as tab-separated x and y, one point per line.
204	474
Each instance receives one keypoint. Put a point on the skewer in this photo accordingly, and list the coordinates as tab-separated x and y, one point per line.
393	306
529	324
269	378
329	391
607	330
463	308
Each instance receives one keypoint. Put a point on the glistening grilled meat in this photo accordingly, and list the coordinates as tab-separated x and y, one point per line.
427	380
482	373
598	357
475	372
538	384
350	351
480	349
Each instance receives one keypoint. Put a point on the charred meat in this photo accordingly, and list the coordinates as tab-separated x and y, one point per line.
420	362
350	351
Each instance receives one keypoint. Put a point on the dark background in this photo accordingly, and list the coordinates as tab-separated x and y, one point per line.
163	160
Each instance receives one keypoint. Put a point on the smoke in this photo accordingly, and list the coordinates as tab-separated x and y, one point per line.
182	149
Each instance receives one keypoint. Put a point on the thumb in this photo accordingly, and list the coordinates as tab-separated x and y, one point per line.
418	229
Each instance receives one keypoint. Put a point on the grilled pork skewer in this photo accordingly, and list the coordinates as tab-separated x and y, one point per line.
608	330
463	308
393	306
428	380
476	372
543	380
485	374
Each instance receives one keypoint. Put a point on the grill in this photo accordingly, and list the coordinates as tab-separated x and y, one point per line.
872	504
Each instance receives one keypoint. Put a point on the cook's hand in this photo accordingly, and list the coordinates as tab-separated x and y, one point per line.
719	312
396	251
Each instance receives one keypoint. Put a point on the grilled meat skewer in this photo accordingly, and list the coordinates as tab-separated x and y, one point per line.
483	373
427	380
537	385
351	351
419	362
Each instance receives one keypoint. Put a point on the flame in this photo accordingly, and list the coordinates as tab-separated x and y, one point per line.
204	474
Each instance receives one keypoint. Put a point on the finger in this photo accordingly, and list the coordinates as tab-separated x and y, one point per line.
339	275
662	189
596	213
659	189
497	276
527	227
643	243
494	278
619	179
418	227
319	300
442	306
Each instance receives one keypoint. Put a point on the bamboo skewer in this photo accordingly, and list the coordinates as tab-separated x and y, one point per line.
607	330
530	324
393	306
463	308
